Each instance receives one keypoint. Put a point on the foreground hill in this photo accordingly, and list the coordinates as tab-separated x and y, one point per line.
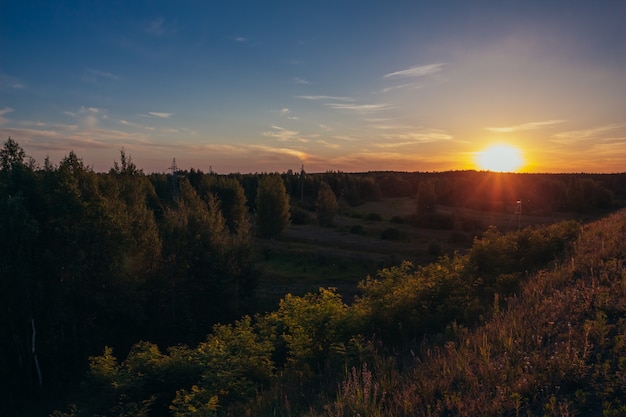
528	323
559	348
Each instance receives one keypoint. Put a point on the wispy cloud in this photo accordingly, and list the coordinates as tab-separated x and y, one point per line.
4	111
303	156
584	134
63	139
159	27
88	116
240	39
160	115
328	144
299	80
329	98
396	140
30	123
10	82
524	126
389	126
287	113
347	103
402	87
359	108
346	138
92	110
93	75
134	125
281	134
418	71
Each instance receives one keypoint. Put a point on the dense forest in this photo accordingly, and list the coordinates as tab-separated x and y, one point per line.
133	294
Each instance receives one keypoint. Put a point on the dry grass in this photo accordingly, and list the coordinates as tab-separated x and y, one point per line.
558	350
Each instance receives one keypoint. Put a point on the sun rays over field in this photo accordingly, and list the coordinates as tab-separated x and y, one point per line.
500	158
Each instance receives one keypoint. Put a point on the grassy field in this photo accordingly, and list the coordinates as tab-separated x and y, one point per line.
306	257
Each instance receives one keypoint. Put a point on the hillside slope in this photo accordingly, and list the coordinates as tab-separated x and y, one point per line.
559	349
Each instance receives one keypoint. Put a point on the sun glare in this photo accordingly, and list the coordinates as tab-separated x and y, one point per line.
500	158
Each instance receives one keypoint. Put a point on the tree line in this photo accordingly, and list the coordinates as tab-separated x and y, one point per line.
92	259
487	191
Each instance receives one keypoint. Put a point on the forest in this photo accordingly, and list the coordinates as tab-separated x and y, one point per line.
134	294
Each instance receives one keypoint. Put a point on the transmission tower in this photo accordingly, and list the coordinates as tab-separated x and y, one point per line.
174	180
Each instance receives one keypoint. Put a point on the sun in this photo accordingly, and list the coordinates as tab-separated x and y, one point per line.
500	158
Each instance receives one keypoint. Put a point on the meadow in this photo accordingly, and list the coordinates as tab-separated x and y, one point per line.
305	256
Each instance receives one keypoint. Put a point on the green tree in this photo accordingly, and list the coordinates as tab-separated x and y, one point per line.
88	243
325	205
272	204
208	274
20	296
230	194
129	195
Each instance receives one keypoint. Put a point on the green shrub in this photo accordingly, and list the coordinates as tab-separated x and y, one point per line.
300	216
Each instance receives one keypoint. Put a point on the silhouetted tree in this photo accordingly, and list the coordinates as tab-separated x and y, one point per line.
272	204
325	205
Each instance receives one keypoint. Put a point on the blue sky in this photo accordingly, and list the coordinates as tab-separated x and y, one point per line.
252	86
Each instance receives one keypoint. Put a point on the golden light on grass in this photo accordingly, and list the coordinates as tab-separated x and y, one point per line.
500	158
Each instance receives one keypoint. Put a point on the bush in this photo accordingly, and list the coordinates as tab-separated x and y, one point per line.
435	248
397	220
375	217
458	237
351	214
357	229
300	216
392	234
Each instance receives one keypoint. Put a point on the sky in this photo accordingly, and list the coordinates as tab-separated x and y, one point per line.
352	86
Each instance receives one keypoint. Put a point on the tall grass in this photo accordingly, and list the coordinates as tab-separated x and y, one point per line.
559	348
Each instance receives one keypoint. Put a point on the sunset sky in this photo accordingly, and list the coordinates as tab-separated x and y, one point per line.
259	86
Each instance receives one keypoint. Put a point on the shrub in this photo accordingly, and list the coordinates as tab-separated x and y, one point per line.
357	229
397	220
374	217
300	216
434	248
392	234
458	237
